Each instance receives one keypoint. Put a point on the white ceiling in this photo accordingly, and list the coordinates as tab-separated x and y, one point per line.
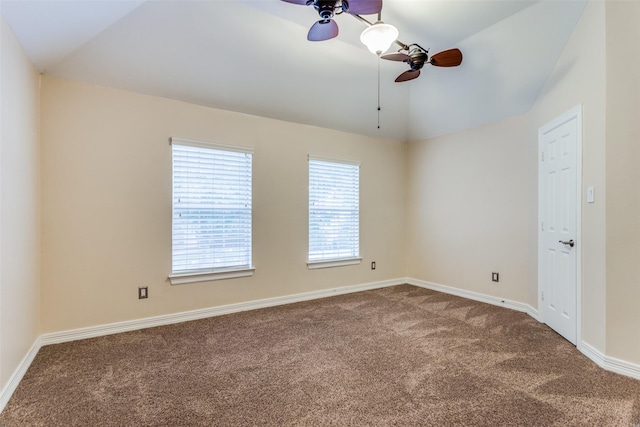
252	56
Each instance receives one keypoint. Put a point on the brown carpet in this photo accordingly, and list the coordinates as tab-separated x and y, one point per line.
395	356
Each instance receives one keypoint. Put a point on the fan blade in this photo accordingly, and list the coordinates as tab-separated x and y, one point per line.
447	58
323	30
301	2
407	75
364	7
396	56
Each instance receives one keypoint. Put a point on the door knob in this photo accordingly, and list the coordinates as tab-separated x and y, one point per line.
571	243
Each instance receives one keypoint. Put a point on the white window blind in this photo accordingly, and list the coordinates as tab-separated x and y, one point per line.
334	210
211	207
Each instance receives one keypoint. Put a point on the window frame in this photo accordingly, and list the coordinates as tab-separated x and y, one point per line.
340	261
216	273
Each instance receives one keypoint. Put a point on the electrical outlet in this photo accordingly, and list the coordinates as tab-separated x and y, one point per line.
373	265
143	292
495	276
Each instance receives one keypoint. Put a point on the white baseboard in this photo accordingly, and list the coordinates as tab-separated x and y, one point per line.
606	362
17	376
592	353
131	325
502	302
610	363
167	319
622	367
533	312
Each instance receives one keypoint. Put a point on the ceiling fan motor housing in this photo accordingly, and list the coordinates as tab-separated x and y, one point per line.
325	8
418	58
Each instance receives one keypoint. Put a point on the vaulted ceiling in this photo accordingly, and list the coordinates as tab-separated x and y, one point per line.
252	56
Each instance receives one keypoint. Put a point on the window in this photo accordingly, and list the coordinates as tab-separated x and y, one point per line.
211	227
334	213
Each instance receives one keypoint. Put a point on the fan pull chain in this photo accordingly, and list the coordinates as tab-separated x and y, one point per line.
378	91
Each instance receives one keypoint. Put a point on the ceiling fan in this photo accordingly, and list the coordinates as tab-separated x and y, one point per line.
326	28
417	56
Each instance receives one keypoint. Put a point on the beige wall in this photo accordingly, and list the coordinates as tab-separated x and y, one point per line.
19	206
106	176
623	180
472	196
468	209
579	78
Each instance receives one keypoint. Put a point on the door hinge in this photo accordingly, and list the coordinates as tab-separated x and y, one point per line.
542	156
542	226
542	295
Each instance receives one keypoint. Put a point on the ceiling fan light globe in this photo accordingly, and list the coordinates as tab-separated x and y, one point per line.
379	37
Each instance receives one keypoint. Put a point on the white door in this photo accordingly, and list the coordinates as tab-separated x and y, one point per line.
558	239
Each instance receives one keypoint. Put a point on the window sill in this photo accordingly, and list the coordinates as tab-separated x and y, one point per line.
313	265
207	276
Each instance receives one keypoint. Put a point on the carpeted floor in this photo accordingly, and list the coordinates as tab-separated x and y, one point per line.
395	356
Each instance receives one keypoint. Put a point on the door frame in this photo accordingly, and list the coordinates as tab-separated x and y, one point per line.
574	113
